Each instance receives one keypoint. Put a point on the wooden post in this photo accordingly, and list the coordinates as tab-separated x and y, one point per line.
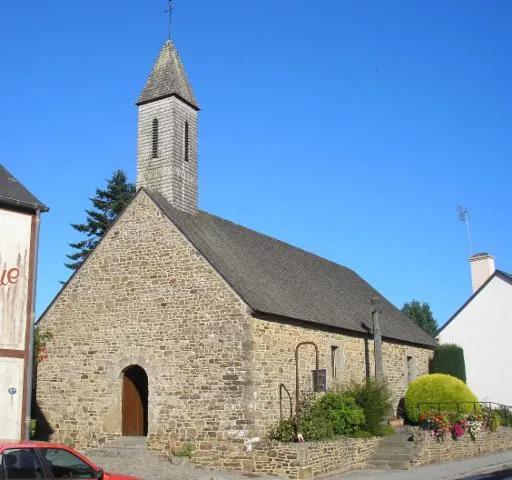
377	338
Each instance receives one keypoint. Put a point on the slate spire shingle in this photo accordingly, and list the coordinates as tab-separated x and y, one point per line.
168	78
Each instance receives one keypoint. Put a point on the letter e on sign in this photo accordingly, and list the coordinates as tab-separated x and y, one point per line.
12	275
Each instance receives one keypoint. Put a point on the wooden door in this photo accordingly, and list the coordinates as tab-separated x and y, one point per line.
133	409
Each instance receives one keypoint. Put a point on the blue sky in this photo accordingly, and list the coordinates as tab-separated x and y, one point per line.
349	129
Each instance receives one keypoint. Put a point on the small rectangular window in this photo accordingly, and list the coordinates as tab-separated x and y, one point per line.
334	354
186	142
154	138
411	369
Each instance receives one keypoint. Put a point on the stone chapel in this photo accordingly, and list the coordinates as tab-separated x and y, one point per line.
183	327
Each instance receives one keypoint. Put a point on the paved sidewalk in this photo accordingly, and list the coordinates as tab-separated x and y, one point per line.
443	471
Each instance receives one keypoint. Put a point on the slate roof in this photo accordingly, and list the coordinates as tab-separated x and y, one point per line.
13	193
168	78
275	278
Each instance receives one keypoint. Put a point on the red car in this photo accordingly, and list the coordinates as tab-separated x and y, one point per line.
48	461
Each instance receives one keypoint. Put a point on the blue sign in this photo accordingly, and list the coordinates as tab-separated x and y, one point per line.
12	391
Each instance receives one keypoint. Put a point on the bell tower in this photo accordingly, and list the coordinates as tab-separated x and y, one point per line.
167	133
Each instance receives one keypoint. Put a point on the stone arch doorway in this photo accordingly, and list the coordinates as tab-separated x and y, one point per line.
135	402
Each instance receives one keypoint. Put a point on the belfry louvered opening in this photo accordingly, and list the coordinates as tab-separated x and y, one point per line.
186	142
154	138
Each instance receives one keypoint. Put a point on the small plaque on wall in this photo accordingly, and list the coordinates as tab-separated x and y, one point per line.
320	381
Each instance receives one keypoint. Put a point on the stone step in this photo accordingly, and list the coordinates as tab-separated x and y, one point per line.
399	438
133	453
392	449
401	457
123	447
129	442
390	463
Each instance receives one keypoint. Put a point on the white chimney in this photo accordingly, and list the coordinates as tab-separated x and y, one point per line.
482	267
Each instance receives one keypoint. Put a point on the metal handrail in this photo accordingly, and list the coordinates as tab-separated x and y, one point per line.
507	409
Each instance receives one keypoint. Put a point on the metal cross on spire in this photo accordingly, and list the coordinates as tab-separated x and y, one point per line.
169	11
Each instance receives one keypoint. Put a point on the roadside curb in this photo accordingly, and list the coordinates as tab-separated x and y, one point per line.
487	469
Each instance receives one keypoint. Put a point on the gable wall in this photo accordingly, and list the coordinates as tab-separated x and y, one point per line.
145	296
274	362
484	329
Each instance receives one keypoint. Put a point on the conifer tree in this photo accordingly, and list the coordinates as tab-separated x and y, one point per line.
421	314
108	204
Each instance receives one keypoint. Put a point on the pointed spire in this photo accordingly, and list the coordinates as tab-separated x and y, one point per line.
168	78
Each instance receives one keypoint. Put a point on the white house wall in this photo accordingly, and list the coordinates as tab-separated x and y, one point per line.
484	329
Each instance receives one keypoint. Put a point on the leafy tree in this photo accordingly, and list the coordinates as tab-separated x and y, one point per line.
108	204
420	314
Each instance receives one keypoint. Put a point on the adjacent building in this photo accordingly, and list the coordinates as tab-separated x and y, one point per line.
19	231
483	328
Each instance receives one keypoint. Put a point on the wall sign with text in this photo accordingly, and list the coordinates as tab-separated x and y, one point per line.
15	230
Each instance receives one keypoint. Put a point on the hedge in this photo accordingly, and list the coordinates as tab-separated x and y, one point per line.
449	359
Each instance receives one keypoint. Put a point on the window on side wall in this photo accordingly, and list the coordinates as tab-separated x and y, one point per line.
336	361
411	369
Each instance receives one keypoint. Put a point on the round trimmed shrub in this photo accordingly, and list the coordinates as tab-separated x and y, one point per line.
441	392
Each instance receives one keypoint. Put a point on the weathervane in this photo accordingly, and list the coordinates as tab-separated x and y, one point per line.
463	216
169	11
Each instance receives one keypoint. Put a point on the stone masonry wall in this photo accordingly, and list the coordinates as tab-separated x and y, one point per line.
274	360
433	451
146	297
309	460
169	173
290	460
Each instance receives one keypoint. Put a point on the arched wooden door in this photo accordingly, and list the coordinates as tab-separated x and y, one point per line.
135	402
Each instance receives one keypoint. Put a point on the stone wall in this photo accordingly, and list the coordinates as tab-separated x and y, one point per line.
433	451
290	460
309	460
274	344
146	297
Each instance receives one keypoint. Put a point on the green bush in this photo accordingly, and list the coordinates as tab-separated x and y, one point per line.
340	411
362	434
385	430
503	416
447	391
284	431
374	397
449	359
321	418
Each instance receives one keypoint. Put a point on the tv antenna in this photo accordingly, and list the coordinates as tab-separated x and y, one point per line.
463	216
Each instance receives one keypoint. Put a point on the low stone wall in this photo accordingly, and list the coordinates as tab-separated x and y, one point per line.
431	450
302	461
307	460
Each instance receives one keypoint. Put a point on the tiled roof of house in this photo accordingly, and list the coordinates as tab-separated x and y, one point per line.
13	193
168	78
275	278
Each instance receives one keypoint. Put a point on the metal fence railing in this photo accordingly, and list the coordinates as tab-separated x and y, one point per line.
505	411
